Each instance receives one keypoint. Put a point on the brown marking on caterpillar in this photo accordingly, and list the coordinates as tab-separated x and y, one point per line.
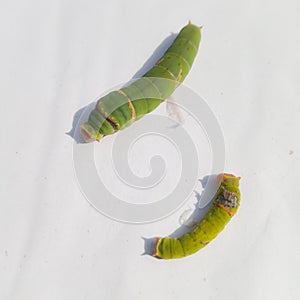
108	118
155	253
204	243
179	75
224	208
167	69
86	136
227	199
226	175
122	93
159	61
230	196
133	114
115	125
130	105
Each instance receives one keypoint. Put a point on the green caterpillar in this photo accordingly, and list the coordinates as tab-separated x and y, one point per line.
119	109
225	204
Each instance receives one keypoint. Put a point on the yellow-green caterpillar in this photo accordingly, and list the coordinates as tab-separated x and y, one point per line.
225	204
119	109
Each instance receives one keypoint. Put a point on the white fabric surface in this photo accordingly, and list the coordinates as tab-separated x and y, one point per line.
58	56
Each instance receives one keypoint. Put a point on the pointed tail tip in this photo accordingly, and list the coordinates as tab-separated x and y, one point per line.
190	23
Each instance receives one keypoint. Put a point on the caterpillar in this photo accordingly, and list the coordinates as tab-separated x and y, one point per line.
224	206
118	109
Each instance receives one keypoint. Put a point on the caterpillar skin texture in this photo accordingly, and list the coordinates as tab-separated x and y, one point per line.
225	204
119	109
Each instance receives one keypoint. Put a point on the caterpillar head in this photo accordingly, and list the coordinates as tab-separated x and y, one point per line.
228	180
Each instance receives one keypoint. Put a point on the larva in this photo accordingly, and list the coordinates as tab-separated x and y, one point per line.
225	204
119	109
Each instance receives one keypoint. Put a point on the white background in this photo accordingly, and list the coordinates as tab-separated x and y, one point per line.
58	56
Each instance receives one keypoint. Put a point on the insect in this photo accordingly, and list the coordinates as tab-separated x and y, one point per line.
119	109
224	205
